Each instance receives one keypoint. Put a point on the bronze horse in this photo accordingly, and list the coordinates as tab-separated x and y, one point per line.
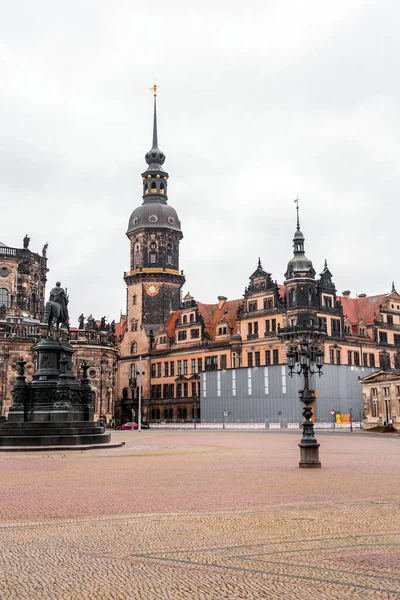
53	317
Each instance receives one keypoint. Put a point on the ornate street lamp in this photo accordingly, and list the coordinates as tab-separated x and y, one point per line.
305	357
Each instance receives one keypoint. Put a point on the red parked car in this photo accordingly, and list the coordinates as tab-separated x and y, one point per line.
131	425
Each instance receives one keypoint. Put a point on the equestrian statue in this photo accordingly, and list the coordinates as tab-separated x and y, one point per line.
56	310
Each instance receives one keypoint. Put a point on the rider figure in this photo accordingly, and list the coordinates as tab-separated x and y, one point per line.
59	296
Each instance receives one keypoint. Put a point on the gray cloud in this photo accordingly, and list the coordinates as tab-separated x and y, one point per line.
258	103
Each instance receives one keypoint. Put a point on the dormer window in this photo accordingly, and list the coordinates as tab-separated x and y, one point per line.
252	306
222	330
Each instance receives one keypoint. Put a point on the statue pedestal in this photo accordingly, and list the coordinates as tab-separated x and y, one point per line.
54	410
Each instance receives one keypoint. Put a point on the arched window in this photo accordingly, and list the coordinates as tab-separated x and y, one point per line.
310	297
124	393
161	188
4	297
133	348
293	297
169	254
153	186
137	256
192	318
184	319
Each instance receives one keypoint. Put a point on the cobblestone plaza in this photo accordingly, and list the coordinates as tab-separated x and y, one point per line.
202	515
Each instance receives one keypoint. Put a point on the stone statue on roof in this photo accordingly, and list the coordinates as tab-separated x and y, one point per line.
26	241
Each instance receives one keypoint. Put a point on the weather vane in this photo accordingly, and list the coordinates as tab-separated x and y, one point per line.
154	89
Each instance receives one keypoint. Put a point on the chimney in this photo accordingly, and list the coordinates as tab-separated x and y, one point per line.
221	301
346	294
362	295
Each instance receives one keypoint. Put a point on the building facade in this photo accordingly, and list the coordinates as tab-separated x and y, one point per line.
381	397
23	275
168	341
164	342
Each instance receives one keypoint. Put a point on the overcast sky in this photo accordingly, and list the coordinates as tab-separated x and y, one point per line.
260	101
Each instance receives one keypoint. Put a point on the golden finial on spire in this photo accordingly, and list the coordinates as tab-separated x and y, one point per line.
154	89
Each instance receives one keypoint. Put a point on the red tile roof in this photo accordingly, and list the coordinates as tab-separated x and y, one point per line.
362	309
212	315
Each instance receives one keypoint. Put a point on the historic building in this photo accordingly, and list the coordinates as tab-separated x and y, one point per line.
23	276
176	339
165	342
381	396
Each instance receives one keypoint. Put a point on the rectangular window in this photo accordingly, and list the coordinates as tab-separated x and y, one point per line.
389	319
257	359
166	369
255	324
199	365
194	365
268	357
383	337
194	333
233	382
222	361
185	367
250	328
349	361
331	356
273	324
322	323
396	339
185	390
338	357
159	369
267	326
357	359
153	370
211	363
249	359
179	390
372	360
179	367
365	359
328	301
172	368
335	327
386	391
181	335
275	356
252	306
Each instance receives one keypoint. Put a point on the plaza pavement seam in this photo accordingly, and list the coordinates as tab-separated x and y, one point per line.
284	508
272	574
312	567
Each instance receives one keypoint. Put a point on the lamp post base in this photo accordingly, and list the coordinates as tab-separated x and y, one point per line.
309	456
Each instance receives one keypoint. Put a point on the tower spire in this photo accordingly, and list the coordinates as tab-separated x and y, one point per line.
155	136
297	209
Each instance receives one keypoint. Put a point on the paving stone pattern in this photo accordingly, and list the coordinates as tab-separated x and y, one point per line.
202	516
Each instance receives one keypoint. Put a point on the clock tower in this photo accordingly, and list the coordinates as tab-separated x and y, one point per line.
154	280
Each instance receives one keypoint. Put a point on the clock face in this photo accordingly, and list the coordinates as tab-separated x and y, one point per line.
152	289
